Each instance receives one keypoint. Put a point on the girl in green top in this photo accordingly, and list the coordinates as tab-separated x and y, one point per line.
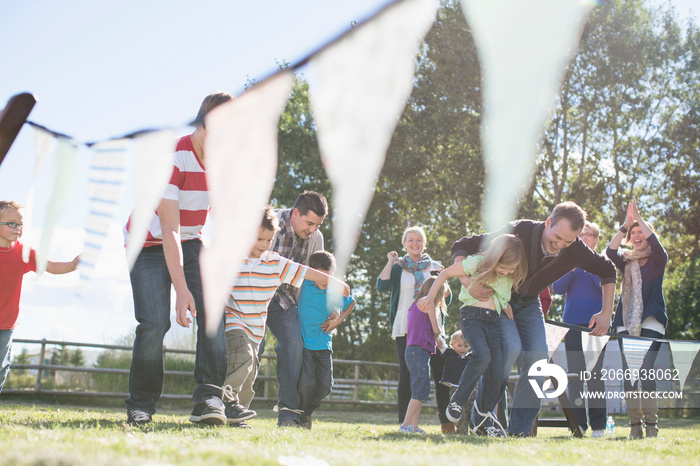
502	267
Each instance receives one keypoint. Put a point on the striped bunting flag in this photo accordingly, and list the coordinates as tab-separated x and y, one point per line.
105	189
634	351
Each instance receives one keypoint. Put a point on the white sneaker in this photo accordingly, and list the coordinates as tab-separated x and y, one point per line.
598	434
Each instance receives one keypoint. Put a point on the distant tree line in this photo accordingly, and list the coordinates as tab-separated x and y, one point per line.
627	123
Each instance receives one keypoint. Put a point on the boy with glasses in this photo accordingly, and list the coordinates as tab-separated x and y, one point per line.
12	270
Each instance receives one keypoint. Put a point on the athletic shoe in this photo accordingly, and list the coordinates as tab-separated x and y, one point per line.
210	412
454	411
240	425
598	433
236	412
136	417
406	429
288	423
418	430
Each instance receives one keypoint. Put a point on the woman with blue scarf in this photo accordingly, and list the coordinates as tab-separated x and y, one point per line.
404	276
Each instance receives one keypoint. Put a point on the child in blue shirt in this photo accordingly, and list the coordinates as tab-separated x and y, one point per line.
317	318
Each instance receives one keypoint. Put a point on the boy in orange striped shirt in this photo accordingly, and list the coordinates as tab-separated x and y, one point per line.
246	314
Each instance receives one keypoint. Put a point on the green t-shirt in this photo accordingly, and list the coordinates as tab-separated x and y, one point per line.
502	286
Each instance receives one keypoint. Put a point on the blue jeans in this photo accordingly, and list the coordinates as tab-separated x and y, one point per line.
150	283
316	379
576	363
404	388
418	363
482	331
285	327
5	354
524	341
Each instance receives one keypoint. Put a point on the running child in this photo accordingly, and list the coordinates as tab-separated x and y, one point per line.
502	267
424	329
246	315
318	317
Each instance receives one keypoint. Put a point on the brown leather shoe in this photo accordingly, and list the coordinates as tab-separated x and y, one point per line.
448	428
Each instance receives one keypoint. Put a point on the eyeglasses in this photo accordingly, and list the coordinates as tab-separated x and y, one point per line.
13	225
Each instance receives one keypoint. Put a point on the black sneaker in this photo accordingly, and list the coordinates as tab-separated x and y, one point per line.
288	423
454	411
236	412
240	425
210	412
136	417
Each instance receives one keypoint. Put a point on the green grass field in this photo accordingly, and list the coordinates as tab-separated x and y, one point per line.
63	435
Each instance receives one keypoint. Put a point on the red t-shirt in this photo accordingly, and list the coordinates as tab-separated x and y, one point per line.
12	270
188	186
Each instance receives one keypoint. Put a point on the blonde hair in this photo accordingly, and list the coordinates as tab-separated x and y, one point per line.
458	336
6	205
507	251
439	301
417	230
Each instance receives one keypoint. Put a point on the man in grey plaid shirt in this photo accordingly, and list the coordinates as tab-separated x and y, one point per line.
297	238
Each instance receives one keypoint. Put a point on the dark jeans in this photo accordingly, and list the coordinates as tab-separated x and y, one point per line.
482	330
150	283
576	363
404	389
316	379
285	327
648	384
442	392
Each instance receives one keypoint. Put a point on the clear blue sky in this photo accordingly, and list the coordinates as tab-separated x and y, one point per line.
102	69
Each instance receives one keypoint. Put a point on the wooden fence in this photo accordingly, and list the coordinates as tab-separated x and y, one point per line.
346	391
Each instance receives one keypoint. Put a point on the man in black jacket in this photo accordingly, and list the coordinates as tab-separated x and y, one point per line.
552	249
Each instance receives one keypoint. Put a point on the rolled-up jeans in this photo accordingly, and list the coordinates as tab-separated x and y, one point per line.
285	327
151	284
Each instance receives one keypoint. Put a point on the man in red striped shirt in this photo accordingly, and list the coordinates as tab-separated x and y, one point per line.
170	256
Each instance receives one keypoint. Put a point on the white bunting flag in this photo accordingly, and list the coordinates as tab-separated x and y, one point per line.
154	166
44	144
634	351
524	48
683	353
364	81
555	334
592	347
65	160
241	163
105	189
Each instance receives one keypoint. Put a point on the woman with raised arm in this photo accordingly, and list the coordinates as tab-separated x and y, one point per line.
641	310
404	277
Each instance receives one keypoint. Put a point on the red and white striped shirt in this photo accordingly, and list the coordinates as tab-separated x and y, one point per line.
188	186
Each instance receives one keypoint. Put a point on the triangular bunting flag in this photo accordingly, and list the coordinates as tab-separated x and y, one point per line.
634	351
592	347
524	48
363	84
64	165
105	189
154	165
683	353
241	163
555	334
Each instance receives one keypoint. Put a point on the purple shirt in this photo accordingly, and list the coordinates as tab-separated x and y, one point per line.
420	332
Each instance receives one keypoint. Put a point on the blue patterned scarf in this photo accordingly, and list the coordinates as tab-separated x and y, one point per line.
416	268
